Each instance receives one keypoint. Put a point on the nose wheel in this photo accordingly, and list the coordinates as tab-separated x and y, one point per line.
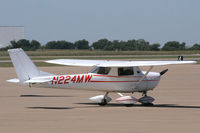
101	100
103	103
104	100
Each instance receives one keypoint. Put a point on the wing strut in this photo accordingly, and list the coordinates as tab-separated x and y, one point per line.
151	67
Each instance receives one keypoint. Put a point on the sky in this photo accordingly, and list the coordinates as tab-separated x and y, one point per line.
156	21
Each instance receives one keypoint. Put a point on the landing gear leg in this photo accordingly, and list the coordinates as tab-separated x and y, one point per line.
144	93
104	101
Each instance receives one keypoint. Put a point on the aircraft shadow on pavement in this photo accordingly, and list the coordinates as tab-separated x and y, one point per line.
150	106
56	108
63	108
94	105
45	96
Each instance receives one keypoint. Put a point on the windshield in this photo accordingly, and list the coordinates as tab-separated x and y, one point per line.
101	70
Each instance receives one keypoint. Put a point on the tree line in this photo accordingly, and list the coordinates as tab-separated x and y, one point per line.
103	44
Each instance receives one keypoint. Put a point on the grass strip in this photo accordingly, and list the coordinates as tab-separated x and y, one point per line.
48	52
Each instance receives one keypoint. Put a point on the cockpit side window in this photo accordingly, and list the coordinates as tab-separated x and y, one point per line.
94	70
101	70
123	71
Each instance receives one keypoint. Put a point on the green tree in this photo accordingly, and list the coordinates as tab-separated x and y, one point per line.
23	43
173	45
64	45
34	45
59	45
82	44
130	45
14	44
195	47
122	45
50	45
182	46
142	45
101	44
114	45
155	47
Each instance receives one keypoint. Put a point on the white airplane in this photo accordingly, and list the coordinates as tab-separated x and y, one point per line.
107	76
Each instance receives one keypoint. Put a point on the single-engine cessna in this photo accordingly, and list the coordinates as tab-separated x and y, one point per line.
107	76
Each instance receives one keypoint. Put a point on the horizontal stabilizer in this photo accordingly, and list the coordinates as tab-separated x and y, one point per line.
112	63
39	80
15	80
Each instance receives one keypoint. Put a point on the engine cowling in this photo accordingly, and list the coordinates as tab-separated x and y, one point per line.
127	100
99	99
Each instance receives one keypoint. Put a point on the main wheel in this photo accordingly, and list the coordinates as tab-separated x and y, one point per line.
103	103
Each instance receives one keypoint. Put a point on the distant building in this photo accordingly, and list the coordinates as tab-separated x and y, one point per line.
10	33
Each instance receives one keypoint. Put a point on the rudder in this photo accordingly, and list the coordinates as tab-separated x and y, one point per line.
23	65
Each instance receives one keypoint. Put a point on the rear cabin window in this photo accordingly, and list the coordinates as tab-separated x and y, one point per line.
101	70
122	71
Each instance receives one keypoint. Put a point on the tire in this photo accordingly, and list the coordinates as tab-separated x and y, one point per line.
102	104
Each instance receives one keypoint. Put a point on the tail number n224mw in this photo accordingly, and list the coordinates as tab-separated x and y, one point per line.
72	79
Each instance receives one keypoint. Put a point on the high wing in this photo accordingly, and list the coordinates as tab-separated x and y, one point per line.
111	63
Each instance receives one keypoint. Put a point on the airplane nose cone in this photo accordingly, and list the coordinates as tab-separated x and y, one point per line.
153	76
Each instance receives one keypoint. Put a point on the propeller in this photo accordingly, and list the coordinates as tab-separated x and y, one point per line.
163	72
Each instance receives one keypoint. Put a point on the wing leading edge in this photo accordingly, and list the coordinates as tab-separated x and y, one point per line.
111	63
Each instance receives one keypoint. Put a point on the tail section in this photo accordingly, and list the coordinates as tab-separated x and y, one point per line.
23	65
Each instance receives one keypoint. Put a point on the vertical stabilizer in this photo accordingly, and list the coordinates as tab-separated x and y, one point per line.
23	65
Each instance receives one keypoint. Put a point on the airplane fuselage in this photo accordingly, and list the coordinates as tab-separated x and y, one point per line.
99	82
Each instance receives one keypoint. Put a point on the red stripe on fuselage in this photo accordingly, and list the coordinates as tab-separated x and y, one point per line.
122	81
118	76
